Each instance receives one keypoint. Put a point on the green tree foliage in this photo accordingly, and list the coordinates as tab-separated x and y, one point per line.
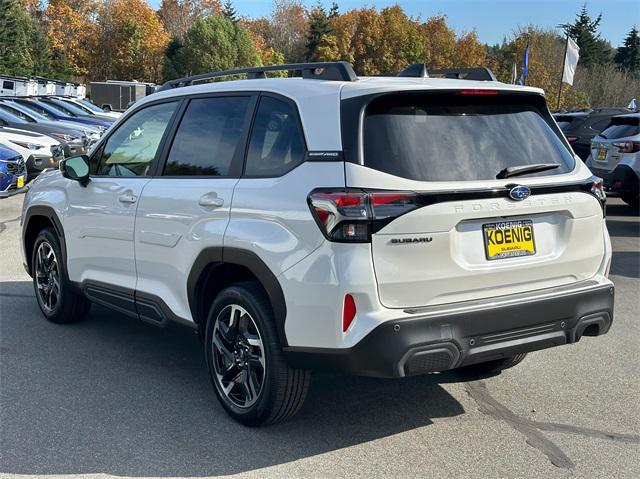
16	33
41	52
593	49
319	26
229	11
628	56
212	43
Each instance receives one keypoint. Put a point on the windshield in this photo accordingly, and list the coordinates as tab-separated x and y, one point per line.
7	116
449	137
38	109
621	128
90	106
18	110
62	109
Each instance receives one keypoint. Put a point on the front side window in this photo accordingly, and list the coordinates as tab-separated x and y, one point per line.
276	144
208	137
130	150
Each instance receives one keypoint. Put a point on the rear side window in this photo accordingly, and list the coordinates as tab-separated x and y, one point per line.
621	128
452	137
208	137
276	144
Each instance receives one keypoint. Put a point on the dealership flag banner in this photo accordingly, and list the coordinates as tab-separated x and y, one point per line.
570	61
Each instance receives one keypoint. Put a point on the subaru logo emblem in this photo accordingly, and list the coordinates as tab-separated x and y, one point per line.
519	193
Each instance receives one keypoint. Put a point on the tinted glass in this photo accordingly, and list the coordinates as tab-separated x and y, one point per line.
60	109
600	124
208	136
19	110
38	109
459	137
91	106
276	143
7	85
10	117
621	128
130	150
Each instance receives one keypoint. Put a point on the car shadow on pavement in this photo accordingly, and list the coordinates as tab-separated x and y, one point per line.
113	395
625	263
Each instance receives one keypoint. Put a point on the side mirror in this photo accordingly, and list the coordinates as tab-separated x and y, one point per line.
76	168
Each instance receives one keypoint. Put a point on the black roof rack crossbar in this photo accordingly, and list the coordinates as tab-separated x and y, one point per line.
419	70
334	71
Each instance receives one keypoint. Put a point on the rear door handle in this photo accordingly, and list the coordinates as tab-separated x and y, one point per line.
211	200
127	199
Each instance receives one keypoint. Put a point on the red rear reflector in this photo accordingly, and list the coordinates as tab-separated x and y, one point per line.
348	312
571	139
478	92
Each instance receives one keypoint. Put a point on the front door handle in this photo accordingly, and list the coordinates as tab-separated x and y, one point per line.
129	199
210	200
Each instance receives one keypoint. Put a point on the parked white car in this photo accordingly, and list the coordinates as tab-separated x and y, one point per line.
375	226
615	157
39	151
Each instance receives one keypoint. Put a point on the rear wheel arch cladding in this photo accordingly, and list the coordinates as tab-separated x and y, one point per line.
213	258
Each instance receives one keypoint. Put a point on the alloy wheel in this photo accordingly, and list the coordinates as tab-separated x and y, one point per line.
238	356
47	277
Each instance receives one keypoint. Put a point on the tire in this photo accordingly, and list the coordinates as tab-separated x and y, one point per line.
56	299
491	367
246	364
632	199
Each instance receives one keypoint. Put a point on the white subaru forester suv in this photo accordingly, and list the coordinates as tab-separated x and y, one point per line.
385	226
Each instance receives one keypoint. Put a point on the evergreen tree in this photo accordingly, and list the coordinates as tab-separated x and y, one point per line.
593	49
40	51
334	11
230	12
628	56
319	26
16	30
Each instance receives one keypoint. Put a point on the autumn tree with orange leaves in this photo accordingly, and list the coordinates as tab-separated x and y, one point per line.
129	42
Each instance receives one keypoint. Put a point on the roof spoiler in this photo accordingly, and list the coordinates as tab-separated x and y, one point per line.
419	70
332	71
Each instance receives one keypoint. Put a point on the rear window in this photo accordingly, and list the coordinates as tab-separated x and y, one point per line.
621	128
452	137
564	122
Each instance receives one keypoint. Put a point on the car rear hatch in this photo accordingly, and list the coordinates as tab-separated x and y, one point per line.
445	228
620	137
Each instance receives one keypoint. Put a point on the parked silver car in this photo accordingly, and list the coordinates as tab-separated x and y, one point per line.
615	156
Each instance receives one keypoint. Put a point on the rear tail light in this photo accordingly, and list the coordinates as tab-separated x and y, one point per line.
571	139
354	215
597	190
627	146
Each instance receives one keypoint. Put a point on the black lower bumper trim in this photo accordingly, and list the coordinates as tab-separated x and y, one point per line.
437	343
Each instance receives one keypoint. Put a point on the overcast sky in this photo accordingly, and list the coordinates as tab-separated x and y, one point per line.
492	19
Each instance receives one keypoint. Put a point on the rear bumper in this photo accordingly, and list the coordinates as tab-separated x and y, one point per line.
470	332
623	178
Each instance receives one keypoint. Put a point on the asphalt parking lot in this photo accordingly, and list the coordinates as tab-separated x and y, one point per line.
114	396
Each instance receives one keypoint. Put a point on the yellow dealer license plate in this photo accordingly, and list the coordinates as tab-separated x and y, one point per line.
602	154
20	181
508	239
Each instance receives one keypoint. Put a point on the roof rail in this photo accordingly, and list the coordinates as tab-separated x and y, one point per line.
419	70
333	71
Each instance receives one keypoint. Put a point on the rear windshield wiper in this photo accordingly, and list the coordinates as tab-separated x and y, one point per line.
524	169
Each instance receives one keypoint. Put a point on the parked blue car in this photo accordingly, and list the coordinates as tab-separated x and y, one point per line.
52	113
13	171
